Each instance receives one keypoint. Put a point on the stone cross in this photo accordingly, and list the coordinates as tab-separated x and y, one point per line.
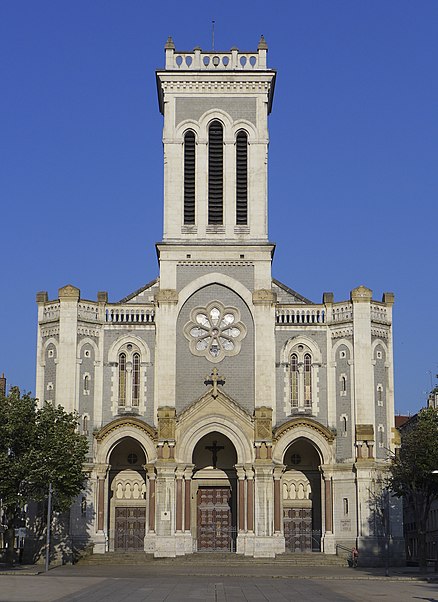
214	449
215	380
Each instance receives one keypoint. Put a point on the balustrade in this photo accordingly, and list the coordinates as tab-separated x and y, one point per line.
129	314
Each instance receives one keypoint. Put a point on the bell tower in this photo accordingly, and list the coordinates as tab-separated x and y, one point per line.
215	137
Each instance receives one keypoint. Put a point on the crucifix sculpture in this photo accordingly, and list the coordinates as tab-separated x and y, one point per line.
215	448
215	380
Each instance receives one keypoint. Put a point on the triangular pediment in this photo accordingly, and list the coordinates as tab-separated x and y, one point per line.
219	405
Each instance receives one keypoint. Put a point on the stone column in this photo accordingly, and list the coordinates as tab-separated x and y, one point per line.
165	508
188	473
263	504
328	542
328	505
241	524
250	499
179	500
100	539
277	499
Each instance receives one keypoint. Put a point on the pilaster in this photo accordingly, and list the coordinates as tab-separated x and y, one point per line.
66	392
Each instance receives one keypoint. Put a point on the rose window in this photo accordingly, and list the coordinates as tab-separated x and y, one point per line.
215	331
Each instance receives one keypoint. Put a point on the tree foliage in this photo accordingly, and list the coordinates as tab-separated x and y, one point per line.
38	446
412	471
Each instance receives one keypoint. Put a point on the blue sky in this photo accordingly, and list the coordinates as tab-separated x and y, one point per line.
353	161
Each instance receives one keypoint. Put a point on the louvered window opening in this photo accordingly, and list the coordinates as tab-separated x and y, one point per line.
215	173
242	179
189	178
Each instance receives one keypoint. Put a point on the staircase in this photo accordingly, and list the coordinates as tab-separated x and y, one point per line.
213	559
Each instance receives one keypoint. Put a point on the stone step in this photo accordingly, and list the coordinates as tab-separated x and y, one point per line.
215	559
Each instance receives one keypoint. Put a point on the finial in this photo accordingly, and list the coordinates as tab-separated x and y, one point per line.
169	45
262	44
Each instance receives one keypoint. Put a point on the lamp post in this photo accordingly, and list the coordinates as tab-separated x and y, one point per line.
49	520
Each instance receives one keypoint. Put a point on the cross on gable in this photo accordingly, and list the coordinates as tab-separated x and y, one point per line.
215	448
215	380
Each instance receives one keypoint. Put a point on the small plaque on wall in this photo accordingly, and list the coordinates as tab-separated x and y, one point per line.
346	525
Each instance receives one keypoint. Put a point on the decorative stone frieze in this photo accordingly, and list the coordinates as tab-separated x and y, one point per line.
166	295
166	423
263	424
264	297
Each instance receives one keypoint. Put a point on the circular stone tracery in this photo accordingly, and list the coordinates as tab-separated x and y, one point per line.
215	331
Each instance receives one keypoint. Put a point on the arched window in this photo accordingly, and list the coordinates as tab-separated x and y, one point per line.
294	380
302	371
307	381
343	384
86	383
189	178
242	178
215	173
85	425
122	379
135	379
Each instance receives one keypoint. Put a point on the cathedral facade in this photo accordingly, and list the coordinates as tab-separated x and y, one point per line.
224	410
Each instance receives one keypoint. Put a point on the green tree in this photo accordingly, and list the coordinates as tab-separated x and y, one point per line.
38	446
412	472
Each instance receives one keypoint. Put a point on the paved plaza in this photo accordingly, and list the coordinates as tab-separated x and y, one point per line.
173	583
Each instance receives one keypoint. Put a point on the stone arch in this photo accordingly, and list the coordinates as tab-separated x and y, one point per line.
227	426
50	341
129	338
304	428
384	346
111	434
212	115
246	126
185	126
303	340
215	278
87	341
347	344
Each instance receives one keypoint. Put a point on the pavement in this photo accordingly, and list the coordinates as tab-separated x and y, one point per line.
161	581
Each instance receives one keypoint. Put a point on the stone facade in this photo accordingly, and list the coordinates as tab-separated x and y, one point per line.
223	409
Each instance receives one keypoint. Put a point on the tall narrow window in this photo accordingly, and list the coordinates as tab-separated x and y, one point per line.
215	173
86	383
122	379
307	381
189	178
294	380
241	178
135	379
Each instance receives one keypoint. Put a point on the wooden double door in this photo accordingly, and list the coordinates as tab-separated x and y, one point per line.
214	520
298	534
130	523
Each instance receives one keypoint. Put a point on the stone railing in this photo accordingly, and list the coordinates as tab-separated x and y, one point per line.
132	314
314	314
51	312
199	60
88	311
342	311
378	313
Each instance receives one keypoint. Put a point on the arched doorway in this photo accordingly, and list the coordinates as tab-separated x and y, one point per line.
214	488
127	496
301	492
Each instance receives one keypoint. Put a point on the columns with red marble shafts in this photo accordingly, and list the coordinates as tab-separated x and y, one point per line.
101	472
150	472
241	525
278	471
249	499
179	499
188	473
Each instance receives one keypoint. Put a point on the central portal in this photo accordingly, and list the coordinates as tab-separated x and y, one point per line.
215	480
214	519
